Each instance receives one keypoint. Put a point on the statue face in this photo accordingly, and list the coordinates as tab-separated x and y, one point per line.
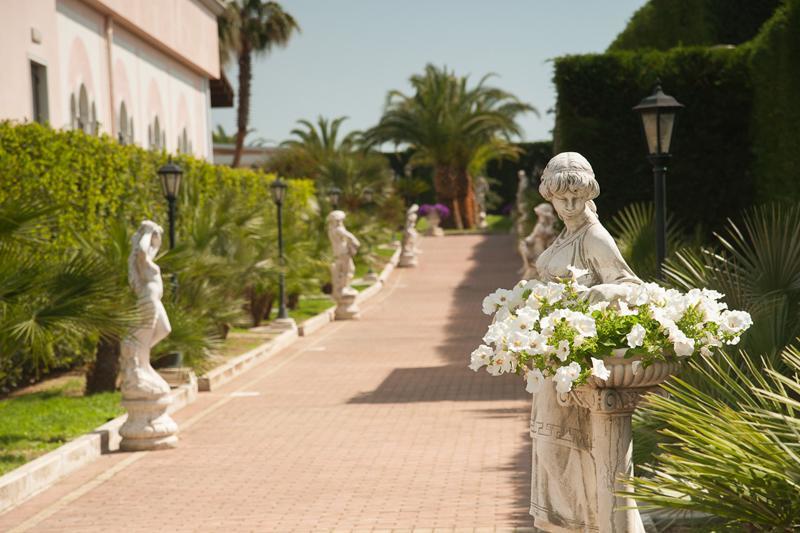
155	240
569	204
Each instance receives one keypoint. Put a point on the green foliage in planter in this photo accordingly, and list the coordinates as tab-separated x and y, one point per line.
709	177
775	66
665	24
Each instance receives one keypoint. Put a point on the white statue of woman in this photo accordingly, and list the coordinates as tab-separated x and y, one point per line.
542	236
564	492
408	254
145	394
139	380
345	246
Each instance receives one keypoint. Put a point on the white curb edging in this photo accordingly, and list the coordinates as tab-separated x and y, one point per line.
31	478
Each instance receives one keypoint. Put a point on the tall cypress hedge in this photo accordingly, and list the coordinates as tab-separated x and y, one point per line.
775	67
709	176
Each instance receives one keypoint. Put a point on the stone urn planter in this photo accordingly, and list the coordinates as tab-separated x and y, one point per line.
611	404
434	220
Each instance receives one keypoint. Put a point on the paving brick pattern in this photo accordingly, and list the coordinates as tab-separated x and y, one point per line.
375	425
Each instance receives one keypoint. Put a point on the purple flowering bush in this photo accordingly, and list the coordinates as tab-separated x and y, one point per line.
443	210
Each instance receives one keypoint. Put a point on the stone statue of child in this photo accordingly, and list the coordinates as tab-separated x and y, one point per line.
145	394
408	254
564	493
139	380
345	246
542	236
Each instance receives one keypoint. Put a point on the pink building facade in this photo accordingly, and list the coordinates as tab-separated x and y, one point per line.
137	70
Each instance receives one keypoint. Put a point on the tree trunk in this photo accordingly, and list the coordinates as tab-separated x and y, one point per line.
465	196
102	374
446	193
259	305
243	110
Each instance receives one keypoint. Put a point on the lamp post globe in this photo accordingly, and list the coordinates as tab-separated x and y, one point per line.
334	194
278	189
170	176
658	113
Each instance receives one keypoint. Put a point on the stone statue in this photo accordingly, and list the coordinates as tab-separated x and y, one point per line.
539	240
145	394
481	189
345	246
408	253
577	450
521	204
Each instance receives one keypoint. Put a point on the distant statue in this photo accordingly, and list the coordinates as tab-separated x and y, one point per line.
145	394
542	236
521	222
481	190
345	246
408	253
574	456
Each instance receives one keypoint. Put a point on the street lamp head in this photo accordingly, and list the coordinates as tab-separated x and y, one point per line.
334	193
278	189
658	113
170	175
367	194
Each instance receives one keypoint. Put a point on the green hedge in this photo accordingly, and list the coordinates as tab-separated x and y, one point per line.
97	180
665	24
775	66
709	176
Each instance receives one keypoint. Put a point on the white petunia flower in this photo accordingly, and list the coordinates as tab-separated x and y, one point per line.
735	321
599	306
481	356
624	310
562	350
578	341
534	380
526	319
496	300
502	362
636	336
599	369
583	324
683	345
538	344
565	375
577	273
638	295
518	341
497	333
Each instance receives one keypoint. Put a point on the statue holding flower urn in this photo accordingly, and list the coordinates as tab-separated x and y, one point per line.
408	246
434	214
591	339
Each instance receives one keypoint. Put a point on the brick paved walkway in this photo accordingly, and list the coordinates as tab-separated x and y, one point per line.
369	425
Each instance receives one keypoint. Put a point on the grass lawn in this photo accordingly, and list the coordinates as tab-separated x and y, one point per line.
33	424
494	224
307	307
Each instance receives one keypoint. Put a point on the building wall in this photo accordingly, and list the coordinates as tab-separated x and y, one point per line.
137	69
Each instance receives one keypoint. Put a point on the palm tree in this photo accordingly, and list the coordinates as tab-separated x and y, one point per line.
453	128
321	142
247	28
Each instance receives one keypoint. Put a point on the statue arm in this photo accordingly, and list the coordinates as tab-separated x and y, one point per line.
614	275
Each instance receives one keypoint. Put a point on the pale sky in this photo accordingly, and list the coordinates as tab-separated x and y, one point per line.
351	52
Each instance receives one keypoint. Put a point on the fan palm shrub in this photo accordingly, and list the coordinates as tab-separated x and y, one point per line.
634	231
733	449
53	308
453	128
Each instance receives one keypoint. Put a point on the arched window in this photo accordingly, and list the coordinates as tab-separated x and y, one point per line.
73	112
84	121
156	135
125	125
93	123
184	146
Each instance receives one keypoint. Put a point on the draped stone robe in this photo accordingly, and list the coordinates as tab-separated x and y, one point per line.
563	483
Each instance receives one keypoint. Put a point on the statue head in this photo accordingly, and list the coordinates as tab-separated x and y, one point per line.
568	183
544	212
335	218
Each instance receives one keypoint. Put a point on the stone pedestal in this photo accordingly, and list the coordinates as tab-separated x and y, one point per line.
371	277
434	230
283	324
611	404
148	426
408	259
346	308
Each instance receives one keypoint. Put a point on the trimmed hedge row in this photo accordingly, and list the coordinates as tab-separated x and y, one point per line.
775	67
709	176
665	24
96	180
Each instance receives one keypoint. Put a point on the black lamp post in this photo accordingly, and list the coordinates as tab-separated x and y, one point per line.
278	189
334	194
658	112
170	175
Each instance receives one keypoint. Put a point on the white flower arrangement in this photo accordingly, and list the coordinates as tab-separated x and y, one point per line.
543	330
